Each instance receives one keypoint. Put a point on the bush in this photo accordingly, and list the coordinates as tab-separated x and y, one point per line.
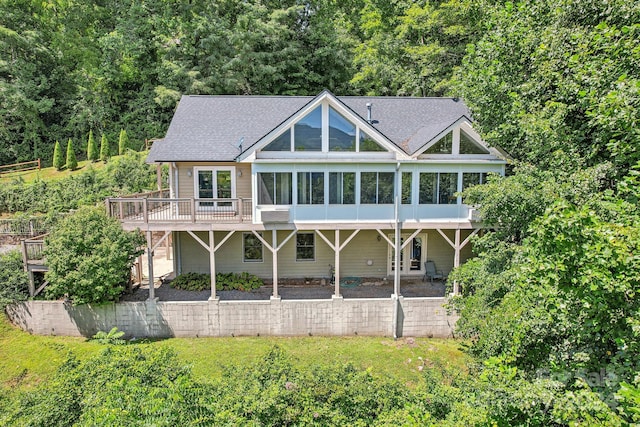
58	160
224	282
123	141
92	149
90	257
14	282
72	162
105	152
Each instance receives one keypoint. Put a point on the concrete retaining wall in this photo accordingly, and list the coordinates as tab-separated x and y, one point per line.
416	317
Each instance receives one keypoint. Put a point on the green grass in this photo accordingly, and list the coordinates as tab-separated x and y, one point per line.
27	360
49	174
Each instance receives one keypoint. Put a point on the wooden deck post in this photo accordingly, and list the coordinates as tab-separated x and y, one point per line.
274	242
212	264
240	209
456	260
336	260
152	290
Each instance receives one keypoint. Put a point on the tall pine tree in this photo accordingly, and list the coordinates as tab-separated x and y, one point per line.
58	160
92	149
72	162
104	148
122	142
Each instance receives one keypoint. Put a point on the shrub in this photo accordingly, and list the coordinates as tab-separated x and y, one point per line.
113	337
224	282
123	141
90	257
58	160
72	162
92	149
14	283
105	153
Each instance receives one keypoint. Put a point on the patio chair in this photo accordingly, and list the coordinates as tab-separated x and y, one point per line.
431	273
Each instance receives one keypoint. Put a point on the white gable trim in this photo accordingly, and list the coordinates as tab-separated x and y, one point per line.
327	99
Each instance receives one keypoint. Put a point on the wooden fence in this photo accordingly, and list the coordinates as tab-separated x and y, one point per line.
20	167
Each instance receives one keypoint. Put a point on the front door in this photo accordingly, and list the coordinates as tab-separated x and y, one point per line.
412	257
215	184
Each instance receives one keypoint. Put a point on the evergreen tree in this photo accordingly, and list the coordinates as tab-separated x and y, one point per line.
92	149
123	141
72	162
58	161
105	153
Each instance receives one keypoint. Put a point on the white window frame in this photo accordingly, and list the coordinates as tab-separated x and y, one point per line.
214	170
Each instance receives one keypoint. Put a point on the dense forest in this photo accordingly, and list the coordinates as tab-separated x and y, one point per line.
550	305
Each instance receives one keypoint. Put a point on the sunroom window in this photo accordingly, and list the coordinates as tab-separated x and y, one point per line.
281	143
274	188
443	146
473	178
368	144
308	132
469	146
406	188
376	187
438	188
342	188
342	133
310	188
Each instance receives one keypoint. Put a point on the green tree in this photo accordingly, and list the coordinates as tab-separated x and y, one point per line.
58	160
14	283
105	151
90	257
92	149
123	142
72	162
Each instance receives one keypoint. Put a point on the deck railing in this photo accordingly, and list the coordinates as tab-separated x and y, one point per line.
33	251
164	210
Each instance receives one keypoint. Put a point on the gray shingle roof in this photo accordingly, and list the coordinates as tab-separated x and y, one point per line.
208	128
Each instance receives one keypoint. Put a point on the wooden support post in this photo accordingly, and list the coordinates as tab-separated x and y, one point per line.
337	264
274	244
193	210
396	270
456	261
212	264
159	176
152	290
145	208
240	210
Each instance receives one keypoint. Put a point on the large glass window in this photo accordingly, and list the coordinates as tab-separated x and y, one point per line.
214	184
469	146
308	132
406	188
274	188
376	187
281	143
438	188
443	146
342	133
368	144
473	178
305	247
310	188
252	248
342	188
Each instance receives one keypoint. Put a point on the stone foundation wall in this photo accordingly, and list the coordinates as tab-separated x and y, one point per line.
417	317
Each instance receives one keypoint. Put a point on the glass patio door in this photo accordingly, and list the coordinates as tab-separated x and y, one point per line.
412	257
215	184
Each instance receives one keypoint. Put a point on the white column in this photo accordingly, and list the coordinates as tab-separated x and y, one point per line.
152	290
274	244
396	270
212	264
337	264
456	261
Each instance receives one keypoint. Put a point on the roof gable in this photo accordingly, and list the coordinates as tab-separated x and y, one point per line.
228	128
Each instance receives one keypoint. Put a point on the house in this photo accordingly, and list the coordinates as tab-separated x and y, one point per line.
296	186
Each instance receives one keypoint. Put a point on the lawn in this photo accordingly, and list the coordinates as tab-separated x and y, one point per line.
49	174
26	360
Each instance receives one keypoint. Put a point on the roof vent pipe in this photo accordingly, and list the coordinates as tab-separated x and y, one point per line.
369	112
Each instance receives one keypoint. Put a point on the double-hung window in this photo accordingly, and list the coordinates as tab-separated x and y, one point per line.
305	247
252	248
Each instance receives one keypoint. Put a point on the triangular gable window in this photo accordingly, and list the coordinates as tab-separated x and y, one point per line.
443	146
308	132
342	133
281	143
368	144
469	146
